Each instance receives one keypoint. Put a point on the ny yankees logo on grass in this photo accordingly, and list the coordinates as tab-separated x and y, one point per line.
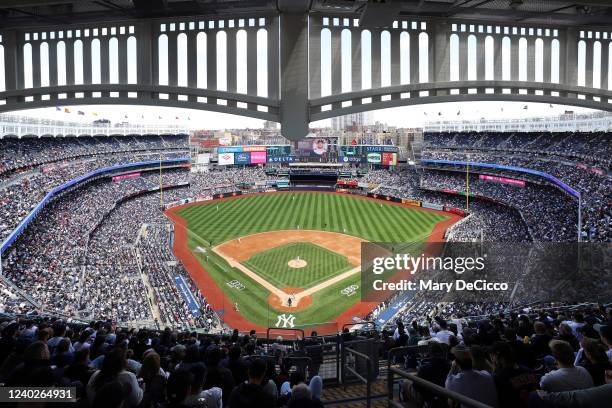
287	321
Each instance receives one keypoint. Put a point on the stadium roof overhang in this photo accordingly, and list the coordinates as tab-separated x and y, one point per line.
551	12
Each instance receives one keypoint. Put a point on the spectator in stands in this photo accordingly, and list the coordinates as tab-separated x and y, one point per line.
540	340
513	382
210	398
463	379
114	371
566	334
153	379
443	334
217	375
592	356
567	377
605	334
434	369
251	393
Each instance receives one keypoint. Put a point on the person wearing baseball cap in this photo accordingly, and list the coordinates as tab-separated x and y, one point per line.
463	379
605	334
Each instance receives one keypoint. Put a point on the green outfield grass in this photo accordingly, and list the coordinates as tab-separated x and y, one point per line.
322	264
210	224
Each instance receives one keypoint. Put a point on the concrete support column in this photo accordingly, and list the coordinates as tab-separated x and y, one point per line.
148	69
251	64
36	65
356	60
588	64
463	57
13	64
569	56
440	60
395	57
480	57
375	47
530	59
605	55
52	63
336	60
514	59
172	59
123	68
70	63
211	63
547	60
231	59
192	62
497	58
274	57
294	114
314	51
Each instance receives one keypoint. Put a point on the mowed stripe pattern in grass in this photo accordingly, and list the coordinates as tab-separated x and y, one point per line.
220	221
322	264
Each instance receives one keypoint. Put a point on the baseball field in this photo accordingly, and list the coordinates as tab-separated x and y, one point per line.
291	259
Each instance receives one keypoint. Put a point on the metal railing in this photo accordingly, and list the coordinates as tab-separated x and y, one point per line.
367	380
432	388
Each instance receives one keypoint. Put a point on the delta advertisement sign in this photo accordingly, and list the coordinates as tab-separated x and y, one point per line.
281	159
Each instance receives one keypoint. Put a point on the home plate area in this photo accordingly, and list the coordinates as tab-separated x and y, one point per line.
294	265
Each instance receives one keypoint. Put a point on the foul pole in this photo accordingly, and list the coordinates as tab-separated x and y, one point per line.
467	184
161	190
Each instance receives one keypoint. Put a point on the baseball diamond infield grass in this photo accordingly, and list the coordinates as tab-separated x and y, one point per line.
210	224
321	265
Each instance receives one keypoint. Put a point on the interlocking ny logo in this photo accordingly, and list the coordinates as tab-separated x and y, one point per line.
286	321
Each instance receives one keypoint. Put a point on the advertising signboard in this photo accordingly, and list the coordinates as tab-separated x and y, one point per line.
281	159
229	149
242	158
374	158
389	159
349	159
226	159
258	157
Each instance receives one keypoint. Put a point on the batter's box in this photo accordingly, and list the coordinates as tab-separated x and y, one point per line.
236	284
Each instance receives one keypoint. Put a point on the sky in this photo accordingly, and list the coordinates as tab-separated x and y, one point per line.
408	116
413	116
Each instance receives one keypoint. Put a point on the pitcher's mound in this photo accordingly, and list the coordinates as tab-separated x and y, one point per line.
297	263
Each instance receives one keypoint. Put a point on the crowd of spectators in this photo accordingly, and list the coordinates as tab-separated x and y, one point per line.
580	160
28	153
20	193
92	239
116	367
529	357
